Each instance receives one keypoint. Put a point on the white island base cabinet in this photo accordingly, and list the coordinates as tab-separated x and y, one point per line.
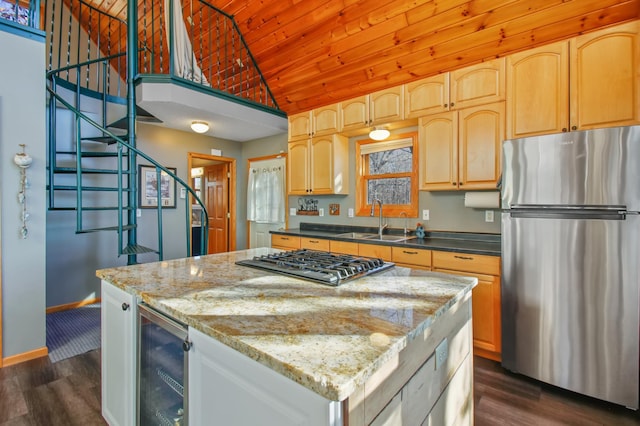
429	382
229	388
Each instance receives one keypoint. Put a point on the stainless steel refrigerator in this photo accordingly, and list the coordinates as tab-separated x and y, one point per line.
571	261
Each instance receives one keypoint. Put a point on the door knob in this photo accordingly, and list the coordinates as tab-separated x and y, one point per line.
125	306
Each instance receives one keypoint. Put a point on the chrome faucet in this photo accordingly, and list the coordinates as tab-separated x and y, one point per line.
405	222
373	209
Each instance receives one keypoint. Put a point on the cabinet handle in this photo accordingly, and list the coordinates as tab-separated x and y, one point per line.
314	241
452	104
574	127
446	105
125	306
453	183
461	183
564	129
284	238
409	252
186	345
463	257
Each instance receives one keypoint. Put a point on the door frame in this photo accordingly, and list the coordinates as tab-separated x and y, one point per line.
286	189
231	162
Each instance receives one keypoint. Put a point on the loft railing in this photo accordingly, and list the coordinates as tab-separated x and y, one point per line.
209	48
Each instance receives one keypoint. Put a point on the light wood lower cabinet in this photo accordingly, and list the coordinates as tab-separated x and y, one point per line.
411	257
487	323
314	244
343	247
285	242
373	250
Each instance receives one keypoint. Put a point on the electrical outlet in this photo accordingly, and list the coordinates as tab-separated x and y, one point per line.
442	353
488	215
350	212
183	193
425	214
138	212
292	211
321	212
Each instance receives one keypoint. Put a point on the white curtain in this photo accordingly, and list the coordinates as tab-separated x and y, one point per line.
265	195
184	60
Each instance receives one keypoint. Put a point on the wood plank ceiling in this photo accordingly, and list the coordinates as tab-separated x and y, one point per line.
318	52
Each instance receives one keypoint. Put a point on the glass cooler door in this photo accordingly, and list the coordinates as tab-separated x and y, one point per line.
162	368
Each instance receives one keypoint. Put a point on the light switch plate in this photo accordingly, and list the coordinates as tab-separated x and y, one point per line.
292	211
425	214
350	212
183	193
321	212
138	212
488	215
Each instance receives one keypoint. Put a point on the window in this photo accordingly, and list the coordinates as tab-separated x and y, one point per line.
388	171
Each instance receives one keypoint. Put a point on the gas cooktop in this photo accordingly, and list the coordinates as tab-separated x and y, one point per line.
320	266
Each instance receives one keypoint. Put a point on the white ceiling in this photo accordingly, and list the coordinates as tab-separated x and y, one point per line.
178	106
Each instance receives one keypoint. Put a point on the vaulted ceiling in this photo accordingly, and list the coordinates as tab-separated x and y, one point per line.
318	52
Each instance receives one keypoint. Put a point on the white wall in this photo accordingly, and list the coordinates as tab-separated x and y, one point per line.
22	120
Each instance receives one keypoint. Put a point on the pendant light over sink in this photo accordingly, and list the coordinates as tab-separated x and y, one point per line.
379	134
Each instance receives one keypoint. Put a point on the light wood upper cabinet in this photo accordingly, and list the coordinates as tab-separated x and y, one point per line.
481	131
478	84
384	106
605	70
320	121
588	82
475	85
461	149
319	166
538	91
426	96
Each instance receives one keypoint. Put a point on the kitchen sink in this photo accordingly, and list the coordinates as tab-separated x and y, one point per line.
374	237
357	235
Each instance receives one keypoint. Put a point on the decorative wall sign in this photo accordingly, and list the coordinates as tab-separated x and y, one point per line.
23	160
148	188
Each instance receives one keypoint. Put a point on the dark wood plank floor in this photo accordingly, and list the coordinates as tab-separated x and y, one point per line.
40	393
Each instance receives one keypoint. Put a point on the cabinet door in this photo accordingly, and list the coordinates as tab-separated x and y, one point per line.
605	70
538	91
354	113
321	159
478	84
343	247
285	242
438	135
325	120
373	250
298	167
300	126
314	244
487	325
386	106
119	349
481	132
427	96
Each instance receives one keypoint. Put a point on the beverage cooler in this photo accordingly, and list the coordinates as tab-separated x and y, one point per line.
162	369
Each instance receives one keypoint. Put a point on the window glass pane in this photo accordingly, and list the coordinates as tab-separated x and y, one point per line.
391	161
390	191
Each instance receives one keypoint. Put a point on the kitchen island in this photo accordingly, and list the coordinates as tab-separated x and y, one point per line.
389	348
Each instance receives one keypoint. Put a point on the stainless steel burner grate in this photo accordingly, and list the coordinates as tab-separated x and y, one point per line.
320	266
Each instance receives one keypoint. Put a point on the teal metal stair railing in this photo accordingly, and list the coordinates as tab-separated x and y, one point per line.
123	188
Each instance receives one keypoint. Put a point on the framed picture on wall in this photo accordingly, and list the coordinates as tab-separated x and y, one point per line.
148	188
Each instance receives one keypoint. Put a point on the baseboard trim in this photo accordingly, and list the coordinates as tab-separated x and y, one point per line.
25	356
72	305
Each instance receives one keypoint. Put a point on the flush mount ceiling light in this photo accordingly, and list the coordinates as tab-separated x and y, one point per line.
199	126
379	134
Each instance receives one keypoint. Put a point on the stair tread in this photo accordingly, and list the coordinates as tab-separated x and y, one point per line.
92	171
92	209
109	140
141	115
88	188
137	249
92	153
105	228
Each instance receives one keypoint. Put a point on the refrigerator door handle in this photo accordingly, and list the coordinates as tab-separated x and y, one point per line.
569	214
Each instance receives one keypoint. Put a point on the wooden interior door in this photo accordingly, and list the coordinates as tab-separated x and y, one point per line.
217	204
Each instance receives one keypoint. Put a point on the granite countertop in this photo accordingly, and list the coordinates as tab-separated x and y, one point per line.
462	242
328	339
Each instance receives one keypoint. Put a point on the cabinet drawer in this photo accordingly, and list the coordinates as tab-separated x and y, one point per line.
371	250
314	244
285	241
477	263
343	247
411	256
